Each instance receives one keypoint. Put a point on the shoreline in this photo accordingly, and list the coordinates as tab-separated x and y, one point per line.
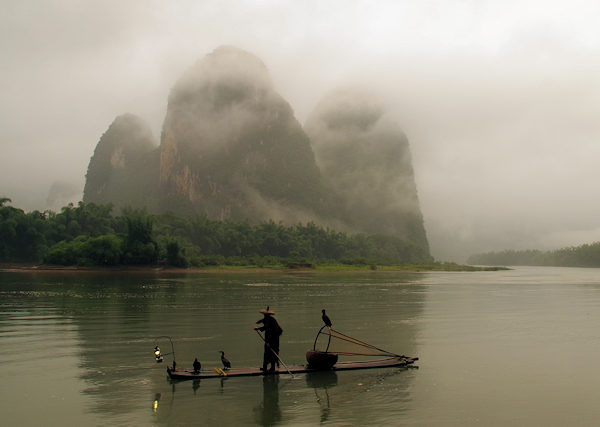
24	268
41	268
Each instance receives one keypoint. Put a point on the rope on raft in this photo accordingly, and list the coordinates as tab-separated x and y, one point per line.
336	334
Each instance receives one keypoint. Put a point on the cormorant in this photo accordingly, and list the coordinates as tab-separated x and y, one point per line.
326	319
225	361
197	366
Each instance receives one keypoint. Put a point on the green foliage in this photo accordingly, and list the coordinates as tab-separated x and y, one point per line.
587	255
67	253
88	234
176	254
22	235
139	246
103	250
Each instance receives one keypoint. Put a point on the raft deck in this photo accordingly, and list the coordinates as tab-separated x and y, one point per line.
188	374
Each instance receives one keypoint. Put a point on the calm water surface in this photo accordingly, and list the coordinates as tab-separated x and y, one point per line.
519	347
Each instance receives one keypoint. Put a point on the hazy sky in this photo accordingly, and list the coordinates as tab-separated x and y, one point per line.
500	99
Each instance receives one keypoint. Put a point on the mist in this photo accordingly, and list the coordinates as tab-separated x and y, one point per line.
499	101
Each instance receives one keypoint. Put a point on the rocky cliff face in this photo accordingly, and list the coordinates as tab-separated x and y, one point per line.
124	167
365	159
231	146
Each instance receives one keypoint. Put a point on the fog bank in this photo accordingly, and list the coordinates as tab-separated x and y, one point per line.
499	101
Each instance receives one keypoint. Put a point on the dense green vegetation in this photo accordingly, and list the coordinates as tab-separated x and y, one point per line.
89	234
587	255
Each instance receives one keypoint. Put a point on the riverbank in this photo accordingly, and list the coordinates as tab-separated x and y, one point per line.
327	268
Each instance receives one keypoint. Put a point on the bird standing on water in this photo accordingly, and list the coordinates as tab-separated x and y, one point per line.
326	319
225	361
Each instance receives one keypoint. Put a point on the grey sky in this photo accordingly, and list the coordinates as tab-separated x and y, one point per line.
500	100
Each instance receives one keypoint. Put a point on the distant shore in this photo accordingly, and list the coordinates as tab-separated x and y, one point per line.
224	269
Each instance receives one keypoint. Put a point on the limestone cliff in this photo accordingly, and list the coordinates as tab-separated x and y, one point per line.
365	159
231	146
124	167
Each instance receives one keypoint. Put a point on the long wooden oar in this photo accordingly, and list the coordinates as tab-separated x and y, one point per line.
276	355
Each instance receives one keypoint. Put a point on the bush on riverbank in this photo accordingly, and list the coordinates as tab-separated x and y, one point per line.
587	255
89	235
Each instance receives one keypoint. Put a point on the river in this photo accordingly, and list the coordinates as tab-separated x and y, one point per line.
517	347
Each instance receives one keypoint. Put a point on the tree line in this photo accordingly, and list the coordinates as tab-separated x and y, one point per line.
587	255
89	234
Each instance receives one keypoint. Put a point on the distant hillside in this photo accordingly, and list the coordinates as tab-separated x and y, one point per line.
365	159
231	146
587	255
232	149
124	167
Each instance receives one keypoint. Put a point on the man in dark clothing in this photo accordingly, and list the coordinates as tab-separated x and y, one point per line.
272	333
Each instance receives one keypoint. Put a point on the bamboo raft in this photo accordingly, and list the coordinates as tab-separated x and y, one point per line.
188	374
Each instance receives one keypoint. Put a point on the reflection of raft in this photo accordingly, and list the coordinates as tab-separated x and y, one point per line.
391	362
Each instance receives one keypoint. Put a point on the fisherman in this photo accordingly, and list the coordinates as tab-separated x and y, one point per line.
197	366
272	333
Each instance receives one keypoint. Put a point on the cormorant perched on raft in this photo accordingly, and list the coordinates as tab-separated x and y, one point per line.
326	319
197	366
225	361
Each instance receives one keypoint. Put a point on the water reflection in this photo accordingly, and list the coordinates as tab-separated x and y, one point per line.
116	319
155	402
268	413
99	331
321	382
